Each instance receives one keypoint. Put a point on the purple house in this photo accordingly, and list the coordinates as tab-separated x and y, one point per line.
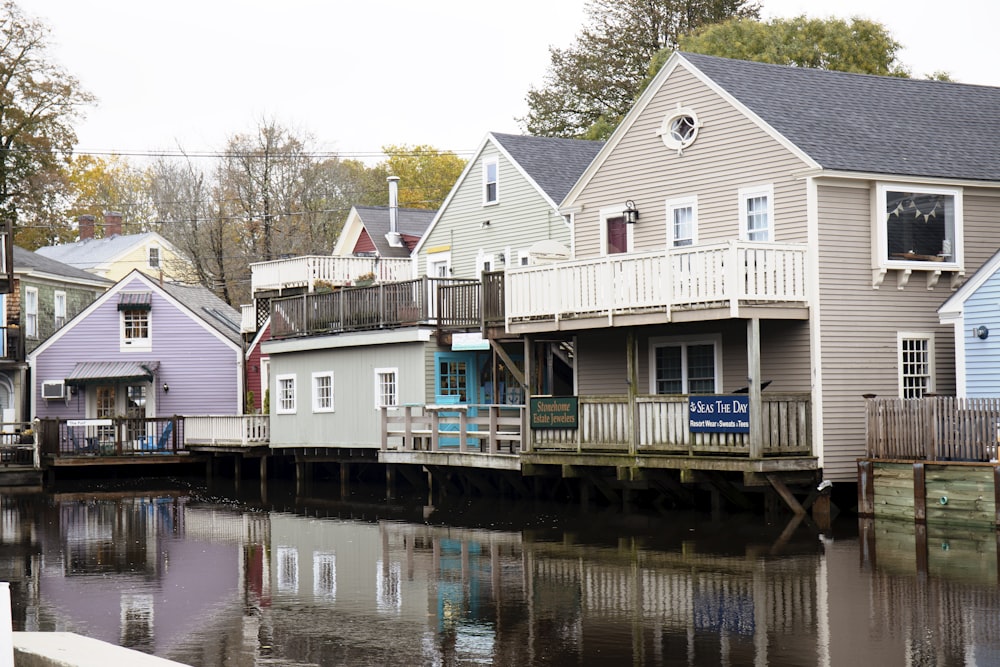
141	350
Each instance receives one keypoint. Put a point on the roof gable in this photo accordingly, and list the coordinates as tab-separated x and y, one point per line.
201	306
409	222
550	165
94	253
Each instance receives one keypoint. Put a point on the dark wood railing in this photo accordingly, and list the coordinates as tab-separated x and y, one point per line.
111	437
492	299
433	301
938	428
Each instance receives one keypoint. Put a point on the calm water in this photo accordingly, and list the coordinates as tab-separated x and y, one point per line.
215	577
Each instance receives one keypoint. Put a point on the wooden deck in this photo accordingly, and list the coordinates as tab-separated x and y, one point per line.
648	432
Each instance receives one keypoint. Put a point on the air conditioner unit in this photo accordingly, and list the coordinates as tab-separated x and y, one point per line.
53	389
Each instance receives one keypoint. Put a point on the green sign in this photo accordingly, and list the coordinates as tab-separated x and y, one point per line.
552	412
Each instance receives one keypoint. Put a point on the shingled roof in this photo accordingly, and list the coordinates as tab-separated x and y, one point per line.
26	261
206	305
409	222
554	164
865	123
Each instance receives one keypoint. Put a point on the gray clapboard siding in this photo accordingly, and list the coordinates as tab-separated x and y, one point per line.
520	218
730	153
355	422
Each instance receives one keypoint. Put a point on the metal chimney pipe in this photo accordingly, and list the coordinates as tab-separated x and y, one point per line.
393	202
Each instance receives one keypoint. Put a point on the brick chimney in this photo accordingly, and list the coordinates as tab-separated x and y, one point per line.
112	223
85	224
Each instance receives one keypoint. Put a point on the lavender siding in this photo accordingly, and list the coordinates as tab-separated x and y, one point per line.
201	368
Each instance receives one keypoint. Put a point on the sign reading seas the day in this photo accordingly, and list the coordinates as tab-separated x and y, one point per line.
550	412
719	414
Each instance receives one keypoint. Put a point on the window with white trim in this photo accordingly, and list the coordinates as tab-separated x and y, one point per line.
757	213
386	387
154	257
684	366
491	181
322	391
918	224
682	221
916	364
59	309
286	394
679	129
439	265
31	312
135	329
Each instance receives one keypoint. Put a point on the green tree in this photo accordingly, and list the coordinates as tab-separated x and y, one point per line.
39	102
426	175
592	84
857	45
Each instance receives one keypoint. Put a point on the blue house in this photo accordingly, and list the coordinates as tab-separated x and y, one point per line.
142	350
973	312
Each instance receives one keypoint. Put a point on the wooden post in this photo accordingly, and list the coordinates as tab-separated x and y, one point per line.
866	488
390	482
345	479
526	443
919	494
756	415
633	389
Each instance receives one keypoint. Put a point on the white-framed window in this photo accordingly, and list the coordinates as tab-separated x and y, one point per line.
285	385
136	329
491	181
486	261
685	365
682	221
31	312
916	364
679	129
386	387
154	257
322	391
59	309
439	265
616	235
757	213
918	224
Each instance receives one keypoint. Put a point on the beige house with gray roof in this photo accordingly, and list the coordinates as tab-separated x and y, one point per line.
751	225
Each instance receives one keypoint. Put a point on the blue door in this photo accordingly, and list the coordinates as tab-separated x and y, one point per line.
455	383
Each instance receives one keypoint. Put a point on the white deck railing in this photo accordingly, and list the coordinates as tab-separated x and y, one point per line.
308	270
227	430
722	274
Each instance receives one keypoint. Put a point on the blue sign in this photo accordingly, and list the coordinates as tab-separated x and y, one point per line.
719	414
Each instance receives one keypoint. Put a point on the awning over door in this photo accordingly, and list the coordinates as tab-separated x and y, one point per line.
110	372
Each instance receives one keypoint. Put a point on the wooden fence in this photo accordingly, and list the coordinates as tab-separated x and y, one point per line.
938	428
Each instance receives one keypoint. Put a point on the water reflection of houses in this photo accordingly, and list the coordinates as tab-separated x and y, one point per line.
117	569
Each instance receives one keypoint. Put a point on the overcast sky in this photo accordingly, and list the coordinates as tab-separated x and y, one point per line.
361	74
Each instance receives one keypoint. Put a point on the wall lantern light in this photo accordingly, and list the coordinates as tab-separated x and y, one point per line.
981	332
166	387
631	214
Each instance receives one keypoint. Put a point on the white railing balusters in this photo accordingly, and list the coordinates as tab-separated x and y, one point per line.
723	274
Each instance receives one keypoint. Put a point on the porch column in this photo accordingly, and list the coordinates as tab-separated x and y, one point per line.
633	389
526	422
756	415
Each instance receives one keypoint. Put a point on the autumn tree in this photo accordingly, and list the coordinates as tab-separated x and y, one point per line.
426	175
98	184
592	84
855	45
39	102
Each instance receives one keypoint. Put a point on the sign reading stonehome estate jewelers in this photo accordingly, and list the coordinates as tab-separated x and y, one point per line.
719	414
551	412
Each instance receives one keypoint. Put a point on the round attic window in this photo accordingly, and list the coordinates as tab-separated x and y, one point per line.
679	129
